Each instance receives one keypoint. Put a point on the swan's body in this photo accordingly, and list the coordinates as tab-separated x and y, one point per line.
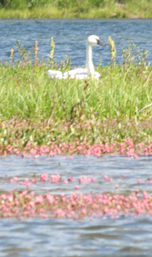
81	73
55	74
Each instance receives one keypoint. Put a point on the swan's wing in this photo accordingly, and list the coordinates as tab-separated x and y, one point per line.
55	74
78	73
73	73
81	76
96	75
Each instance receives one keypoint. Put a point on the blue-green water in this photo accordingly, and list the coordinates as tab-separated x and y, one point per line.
70	37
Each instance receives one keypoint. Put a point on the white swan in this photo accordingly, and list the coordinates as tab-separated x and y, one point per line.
81	73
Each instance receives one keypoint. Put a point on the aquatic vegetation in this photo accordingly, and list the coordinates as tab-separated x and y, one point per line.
74	205
96	138
41	116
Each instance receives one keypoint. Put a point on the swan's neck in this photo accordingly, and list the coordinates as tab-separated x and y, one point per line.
89	63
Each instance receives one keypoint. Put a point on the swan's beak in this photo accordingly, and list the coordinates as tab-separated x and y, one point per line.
100	43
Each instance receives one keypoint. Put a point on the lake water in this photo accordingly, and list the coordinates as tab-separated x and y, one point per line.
98	235
70	37
93	236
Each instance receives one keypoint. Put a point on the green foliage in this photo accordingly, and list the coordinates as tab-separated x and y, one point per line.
75	9
122	91
17	4
34	108
14	4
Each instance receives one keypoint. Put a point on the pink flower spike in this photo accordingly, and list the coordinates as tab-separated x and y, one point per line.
116	186
110	179
3	196
26	181
33	151
70	179
123	175
83	211
15	179
38	199
44	177
33	180
77	187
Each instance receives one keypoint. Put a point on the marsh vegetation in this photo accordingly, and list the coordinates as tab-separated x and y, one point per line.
35	109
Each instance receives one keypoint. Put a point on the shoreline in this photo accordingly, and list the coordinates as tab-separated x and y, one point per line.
24	138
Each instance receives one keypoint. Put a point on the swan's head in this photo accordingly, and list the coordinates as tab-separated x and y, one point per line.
94	40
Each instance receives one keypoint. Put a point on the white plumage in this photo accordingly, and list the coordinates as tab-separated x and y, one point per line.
81	73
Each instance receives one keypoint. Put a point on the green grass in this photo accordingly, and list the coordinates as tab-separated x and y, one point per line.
75	9
34	108
27	92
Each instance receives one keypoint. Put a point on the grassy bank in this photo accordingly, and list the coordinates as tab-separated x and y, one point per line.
120	94
75	9
36	110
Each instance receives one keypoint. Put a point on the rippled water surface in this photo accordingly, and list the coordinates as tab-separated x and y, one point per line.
70	37
95	236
